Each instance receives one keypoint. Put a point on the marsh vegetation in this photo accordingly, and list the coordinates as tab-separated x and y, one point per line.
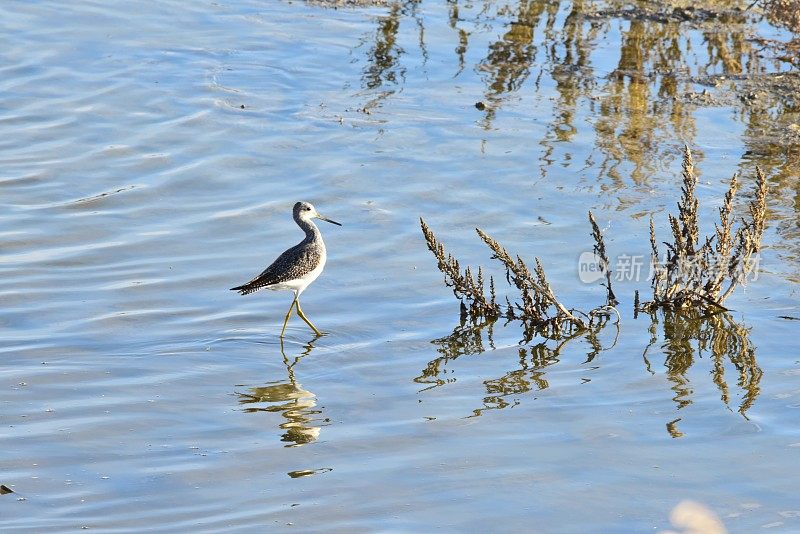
697	274
690	284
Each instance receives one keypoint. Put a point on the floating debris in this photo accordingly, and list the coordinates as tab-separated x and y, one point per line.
308	472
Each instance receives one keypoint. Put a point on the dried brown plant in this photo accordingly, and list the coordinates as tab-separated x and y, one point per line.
538	309
784	13
600	252
467	288
703	276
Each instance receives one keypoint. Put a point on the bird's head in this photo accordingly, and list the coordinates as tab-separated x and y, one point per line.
306	211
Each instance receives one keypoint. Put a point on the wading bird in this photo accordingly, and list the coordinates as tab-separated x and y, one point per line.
298	266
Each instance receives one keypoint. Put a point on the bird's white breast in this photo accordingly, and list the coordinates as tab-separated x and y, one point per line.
301	283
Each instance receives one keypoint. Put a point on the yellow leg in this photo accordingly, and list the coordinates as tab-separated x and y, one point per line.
303	317
288	314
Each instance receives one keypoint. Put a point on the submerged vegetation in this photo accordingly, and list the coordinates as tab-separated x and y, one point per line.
641	71
784	13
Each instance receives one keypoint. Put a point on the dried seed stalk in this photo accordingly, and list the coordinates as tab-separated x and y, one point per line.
469	290
539	308
600	252
694	275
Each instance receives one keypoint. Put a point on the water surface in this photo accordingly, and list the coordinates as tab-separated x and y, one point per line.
149	160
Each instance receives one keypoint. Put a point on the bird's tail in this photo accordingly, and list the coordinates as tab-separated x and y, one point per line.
246	289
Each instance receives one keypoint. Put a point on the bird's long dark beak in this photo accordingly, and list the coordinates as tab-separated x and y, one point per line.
328	220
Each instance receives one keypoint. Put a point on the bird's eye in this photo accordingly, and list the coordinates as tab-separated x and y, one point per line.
307	208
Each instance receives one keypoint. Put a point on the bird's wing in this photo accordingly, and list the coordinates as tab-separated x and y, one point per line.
289	265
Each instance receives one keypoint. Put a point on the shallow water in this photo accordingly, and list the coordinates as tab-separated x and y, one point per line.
149	160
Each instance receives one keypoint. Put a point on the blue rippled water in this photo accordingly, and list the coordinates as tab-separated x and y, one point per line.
149	158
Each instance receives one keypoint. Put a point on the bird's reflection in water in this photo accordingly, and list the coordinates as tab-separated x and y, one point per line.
688	338
297	405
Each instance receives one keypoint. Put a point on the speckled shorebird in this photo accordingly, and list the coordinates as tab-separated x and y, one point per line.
298	266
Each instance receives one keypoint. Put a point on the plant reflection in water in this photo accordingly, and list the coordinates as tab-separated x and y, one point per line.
673	62
688	340
467	339
296	405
